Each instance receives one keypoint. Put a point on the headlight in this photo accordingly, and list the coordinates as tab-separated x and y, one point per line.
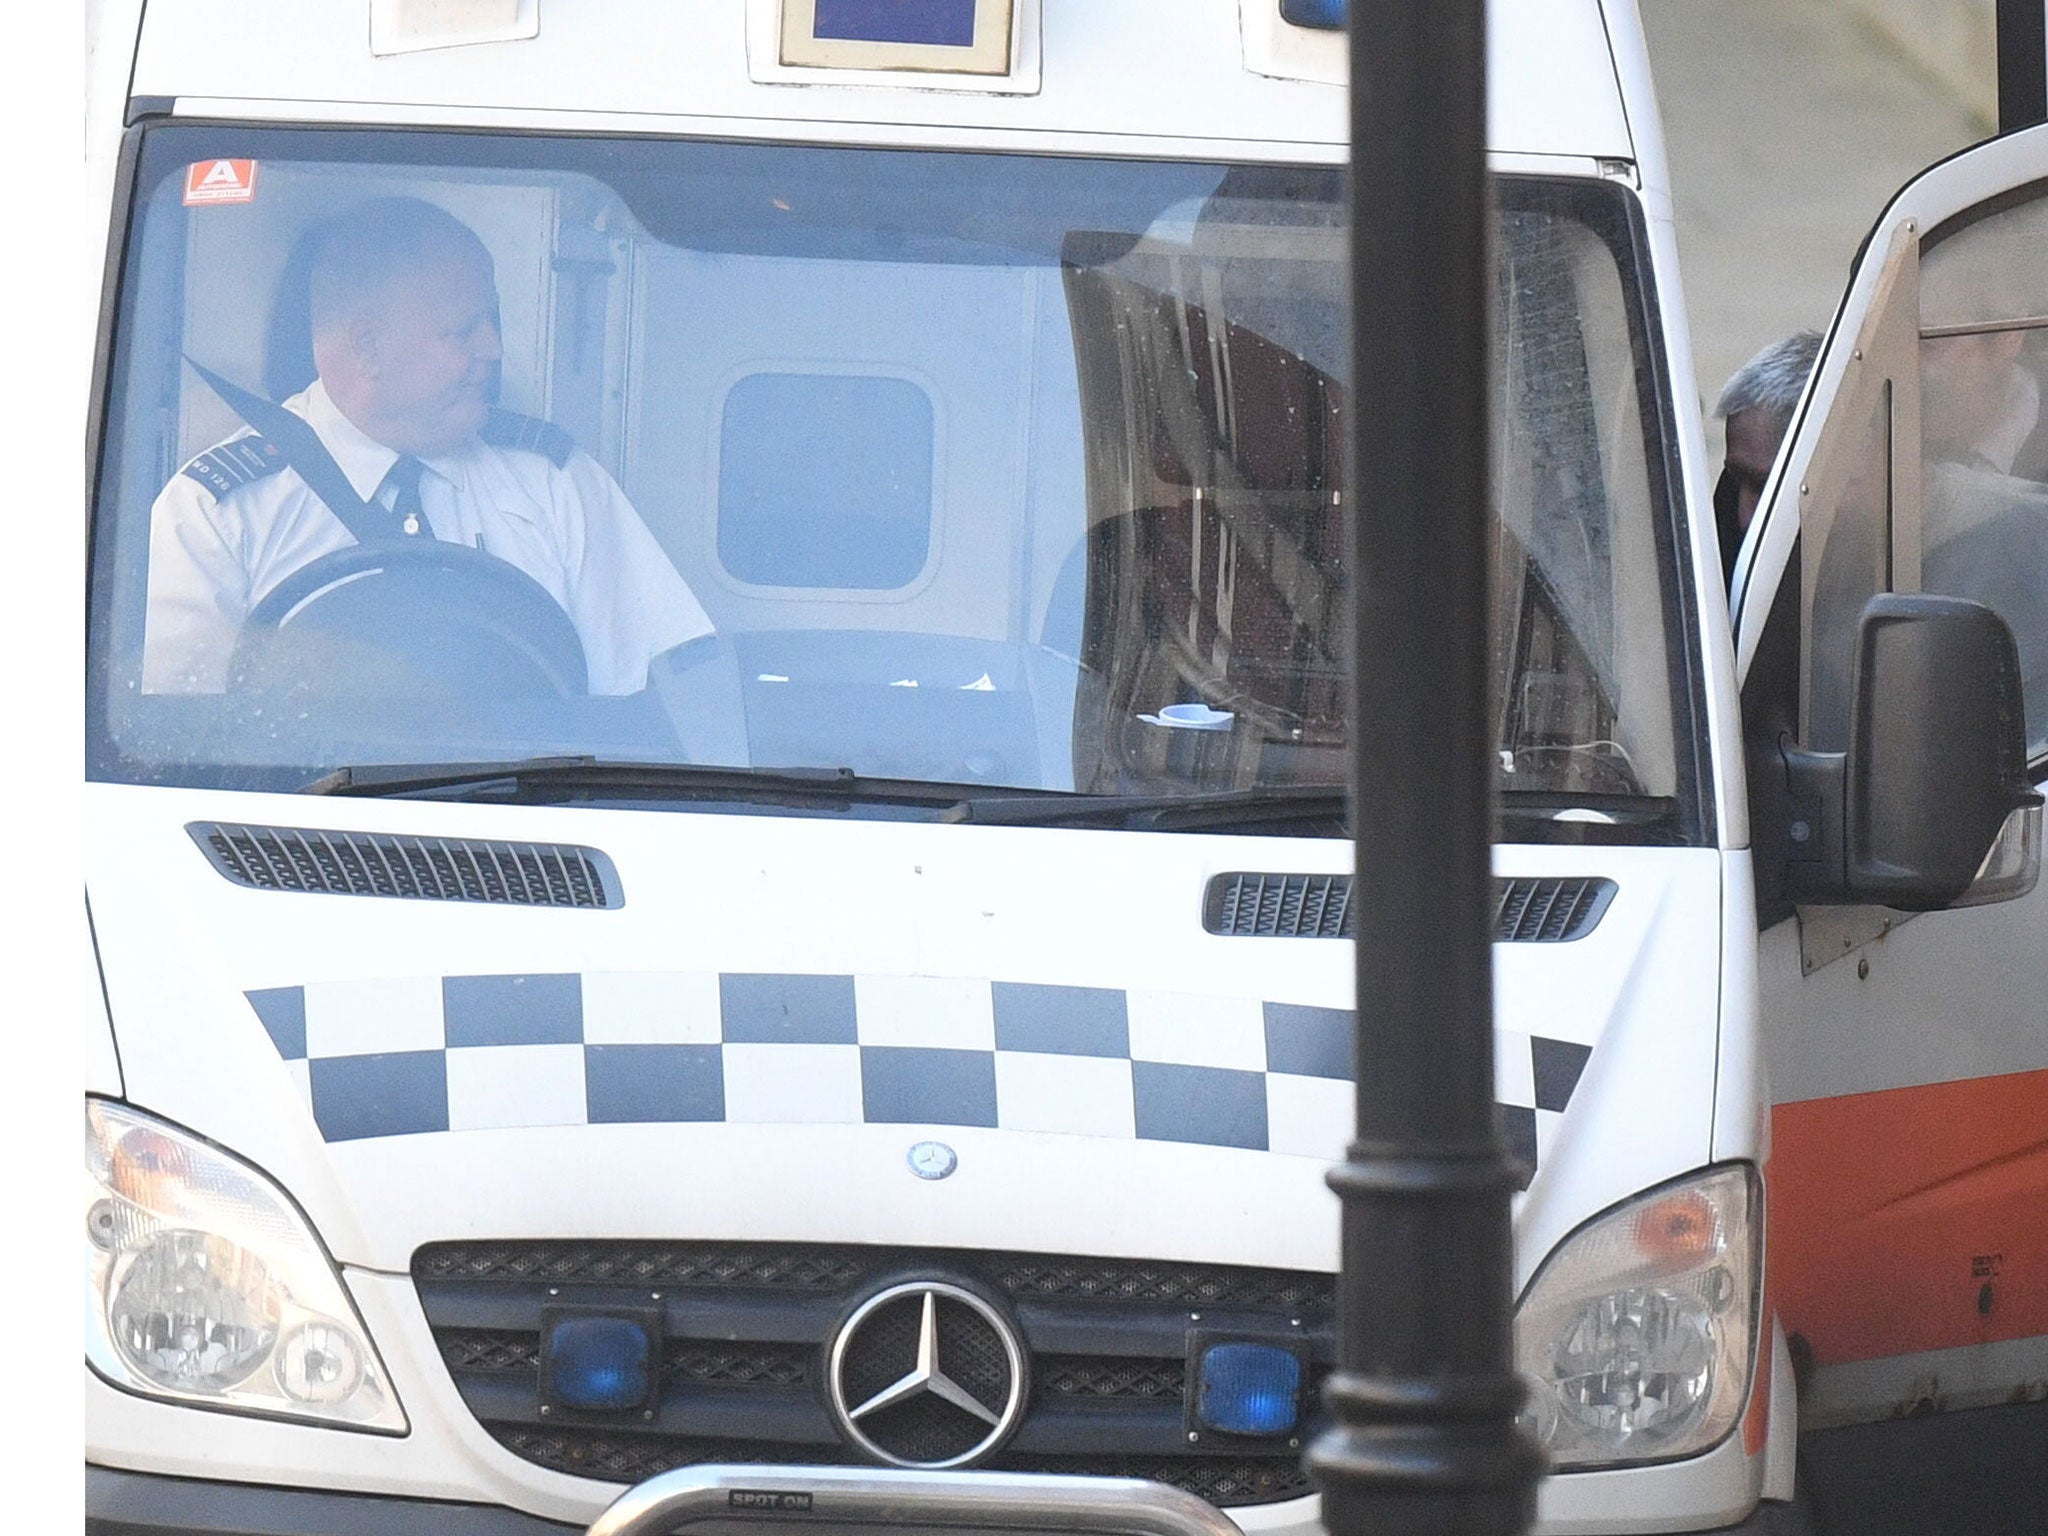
1636	1336
205	1285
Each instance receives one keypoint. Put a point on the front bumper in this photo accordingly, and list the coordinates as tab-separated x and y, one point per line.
119	1503
835	1499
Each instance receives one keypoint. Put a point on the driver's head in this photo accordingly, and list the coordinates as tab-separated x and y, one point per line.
405	323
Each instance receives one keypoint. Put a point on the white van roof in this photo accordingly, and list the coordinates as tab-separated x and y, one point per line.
1134	69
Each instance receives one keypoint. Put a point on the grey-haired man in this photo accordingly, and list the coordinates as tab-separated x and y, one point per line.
1756	407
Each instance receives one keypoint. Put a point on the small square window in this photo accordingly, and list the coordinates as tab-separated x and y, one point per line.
825	481
943	23
969	37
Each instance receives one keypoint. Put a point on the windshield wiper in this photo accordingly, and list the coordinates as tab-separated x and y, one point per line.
553	778
1322	805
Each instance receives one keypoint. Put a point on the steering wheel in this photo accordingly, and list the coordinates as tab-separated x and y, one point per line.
424	620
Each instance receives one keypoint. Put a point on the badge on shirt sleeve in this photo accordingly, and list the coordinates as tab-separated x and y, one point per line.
220	181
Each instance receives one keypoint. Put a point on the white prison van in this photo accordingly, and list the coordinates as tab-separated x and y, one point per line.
716	737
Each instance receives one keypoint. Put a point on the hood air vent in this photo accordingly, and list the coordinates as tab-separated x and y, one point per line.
420	868
1546	911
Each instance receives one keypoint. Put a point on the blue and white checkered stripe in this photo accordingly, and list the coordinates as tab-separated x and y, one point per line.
462	1053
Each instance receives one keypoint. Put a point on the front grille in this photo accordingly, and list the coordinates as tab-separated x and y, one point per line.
1548	910
418	868
1067	1376
738	1365
833	1270
749	1327
719	1265
627	1458
492	1351
489	1350
1224	1481
1180	1285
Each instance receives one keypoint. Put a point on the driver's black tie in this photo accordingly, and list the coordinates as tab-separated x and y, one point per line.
404	479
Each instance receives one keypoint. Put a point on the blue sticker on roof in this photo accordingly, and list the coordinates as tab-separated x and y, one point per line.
935	23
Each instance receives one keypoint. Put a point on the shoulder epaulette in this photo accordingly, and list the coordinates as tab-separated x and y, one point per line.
509	429
232	465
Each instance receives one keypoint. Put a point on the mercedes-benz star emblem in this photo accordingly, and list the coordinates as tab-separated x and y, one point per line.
927	1375
932	1160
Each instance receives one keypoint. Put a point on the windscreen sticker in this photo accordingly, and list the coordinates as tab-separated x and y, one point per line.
220	181
412	1056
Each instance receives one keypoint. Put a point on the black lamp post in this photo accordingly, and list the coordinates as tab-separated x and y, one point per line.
2022	64
1425	1393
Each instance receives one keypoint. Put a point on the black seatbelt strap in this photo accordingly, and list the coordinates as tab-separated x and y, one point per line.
303	450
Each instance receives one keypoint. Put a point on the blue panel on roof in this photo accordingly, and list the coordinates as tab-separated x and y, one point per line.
935	23
1331	15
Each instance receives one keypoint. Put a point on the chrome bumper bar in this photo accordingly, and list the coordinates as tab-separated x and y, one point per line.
954	1501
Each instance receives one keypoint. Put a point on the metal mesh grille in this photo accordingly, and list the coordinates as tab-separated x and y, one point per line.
1085	1376
722	1394
790	1267
490	1351
623	1458
422	868
875	1353
739	1365
1222	1480
819	1269
1541	911
1126	1280
924	1429
972	1353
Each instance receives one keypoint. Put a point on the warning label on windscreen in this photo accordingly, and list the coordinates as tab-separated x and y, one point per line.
220	181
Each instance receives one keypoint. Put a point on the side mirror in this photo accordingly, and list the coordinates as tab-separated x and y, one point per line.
1930	807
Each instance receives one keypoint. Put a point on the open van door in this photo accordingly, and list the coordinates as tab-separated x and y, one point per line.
1908	1059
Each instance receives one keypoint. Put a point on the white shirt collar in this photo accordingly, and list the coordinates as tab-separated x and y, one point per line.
363	459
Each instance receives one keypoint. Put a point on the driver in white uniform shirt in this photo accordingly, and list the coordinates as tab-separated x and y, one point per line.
405	340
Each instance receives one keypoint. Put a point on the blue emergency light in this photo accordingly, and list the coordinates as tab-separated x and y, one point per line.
1249	1389
1329	15
597	1364
931	23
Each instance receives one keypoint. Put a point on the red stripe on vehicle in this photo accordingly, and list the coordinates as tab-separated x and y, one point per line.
1912	1219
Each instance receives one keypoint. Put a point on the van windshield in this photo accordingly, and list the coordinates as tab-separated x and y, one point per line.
958	468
